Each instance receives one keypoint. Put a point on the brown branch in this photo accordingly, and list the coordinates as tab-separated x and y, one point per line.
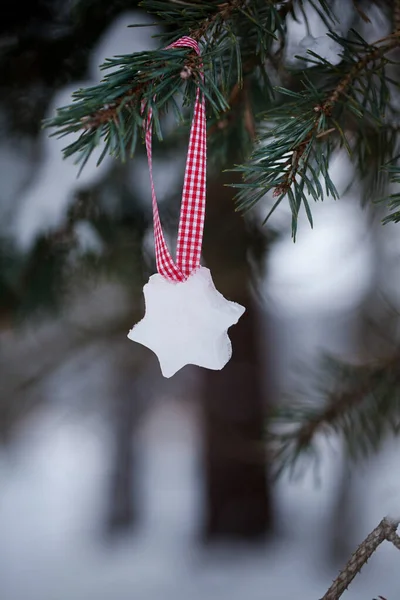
225	10
386	530
341	402
361	12
108	112
357	68
248	113
394	538
396	14
327	107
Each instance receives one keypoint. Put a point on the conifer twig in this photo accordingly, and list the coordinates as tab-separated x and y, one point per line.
343	401
338	404
386	530
359	66
365	405
225	9
327	107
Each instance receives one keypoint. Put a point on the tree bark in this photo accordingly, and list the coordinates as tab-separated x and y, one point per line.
121	507
234	403
127	404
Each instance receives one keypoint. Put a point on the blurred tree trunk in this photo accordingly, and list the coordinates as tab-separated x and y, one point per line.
234	403
126	408
121	510
374	333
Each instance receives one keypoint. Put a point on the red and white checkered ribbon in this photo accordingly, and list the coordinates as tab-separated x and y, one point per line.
191	222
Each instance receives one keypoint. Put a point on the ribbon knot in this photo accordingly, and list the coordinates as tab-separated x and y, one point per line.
192	215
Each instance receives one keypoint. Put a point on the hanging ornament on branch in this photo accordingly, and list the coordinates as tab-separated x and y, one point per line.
186	319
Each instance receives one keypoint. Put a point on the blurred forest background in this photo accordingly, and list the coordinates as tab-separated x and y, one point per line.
114	481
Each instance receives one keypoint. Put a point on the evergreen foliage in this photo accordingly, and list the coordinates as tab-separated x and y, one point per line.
329	105
284	123
360	403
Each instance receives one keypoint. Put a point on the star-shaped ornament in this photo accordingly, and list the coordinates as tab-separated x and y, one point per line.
186	322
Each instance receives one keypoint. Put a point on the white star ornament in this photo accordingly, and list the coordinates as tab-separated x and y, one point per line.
186	322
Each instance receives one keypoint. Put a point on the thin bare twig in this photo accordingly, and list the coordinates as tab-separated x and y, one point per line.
386	530
395	539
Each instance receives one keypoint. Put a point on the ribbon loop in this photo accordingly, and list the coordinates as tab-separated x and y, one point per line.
192	215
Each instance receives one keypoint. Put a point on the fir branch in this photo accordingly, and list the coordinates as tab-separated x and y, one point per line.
359	403
327	107
197	19
386	530
373	54
290	159
224	12
230	33
393	200
111	111
114	110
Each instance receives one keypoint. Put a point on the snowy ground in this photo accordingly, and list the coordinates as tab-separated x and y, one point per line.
53	479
